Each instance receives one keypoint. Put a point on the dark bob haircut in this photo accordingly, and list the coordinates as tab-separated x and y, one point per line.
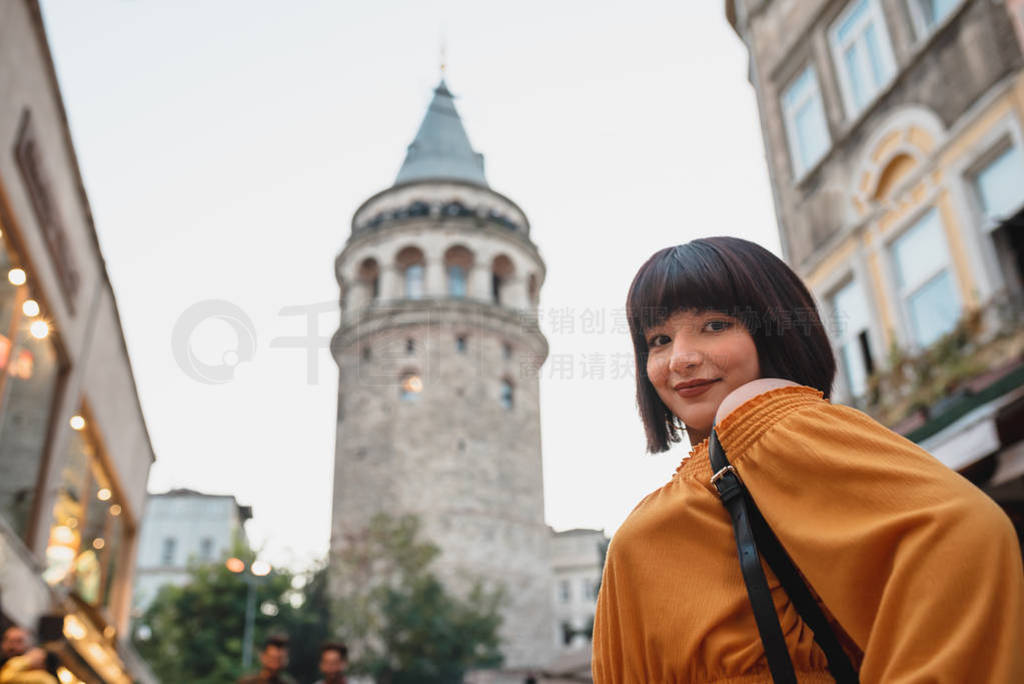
741	279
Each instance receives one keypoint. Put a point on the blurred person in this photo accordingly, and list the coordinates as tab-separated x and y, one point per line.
22	664
333	663
273	661
15	642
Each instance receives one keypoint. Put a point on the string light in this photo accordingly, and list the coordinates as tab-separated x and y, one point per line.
77	422
30	308
39	329
103	494
17	276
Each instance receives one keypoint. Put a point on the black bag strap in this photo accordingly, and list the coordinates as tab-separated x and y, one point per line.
753	534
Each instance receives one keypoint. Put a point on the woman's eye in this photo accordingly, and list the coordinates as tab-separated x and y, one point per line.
657	341
717	325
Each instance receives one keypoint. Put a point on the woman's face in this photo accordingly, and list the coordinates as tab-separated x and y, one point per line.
696	359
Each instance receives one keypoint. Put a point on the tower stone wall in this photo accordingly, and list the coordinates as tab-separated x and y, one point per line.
438	402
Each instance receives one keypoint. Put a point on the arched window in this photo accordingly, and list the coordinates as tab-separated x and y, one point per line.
532	289
410	386
456	281
411	264
501	272
457	262
369	278
414	281
507	396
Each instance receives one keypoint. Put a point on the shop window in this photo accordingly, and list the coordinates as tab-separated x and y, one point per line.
1000	184
87	529
925	279
804	114
29	370
861	53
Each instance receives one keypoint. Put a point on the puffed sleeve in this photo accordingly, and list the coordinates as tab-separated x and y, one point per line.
919	566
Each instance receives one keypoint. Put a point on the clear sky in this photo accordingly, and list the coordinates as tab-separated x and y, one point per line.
226	144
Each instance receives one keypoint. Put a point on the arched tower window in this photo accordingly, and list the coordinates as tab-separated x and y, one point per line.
411	264
369	278
532	290
457	262
507	396
501	273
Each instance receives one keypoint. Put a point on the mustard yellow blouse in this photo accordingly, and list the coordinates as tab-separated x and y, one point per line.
920	568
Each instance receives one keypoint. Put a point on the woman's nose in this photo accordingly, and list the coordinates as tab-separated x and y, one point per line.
684	357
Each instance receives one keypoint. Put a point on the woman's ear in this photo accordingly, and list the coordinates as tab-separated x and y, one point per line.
744	393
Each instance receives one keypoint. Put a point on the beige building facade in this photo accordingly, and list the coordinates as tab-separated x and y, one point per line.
74	450
893	135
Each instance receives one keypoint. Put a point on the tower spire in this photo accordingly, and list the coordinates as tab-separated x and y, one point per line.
441	148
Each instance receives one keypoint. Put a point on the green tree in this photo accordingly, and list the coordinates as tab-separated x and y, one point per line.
194	632
401	623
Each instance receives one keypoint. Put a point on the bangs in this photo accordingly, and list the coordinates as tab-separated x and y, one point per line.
690	277
740	279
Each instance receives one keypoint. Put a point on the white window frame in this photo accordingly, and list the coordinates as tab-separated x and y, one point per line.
921	28
985	161
789	112
850	335
888	61
903	292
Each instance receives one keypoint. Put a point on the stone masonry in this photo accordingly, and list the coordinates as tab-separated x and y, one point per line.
438	402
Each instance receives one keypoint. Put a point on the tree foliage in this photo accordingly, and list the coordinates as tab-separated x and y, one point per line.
194	632
402	624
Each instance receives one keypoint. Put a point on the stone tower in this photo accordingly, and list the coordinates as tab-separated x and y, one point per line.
438	351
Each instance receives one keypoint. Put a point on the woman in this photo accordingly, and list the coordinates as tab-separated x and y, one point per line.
919	570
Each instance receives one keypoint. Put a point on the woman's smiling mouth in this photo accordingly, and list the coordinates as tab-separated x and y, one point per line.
693	388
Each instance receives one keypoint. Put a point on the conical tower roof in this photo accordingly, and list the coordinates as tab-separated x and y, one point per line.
441	149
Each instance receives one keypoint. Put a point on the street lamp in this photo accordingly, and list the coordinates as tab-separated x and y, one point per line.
259	568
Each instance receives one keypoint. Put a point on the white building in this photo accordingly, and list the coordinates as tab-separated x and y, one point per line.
180	528
577	557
